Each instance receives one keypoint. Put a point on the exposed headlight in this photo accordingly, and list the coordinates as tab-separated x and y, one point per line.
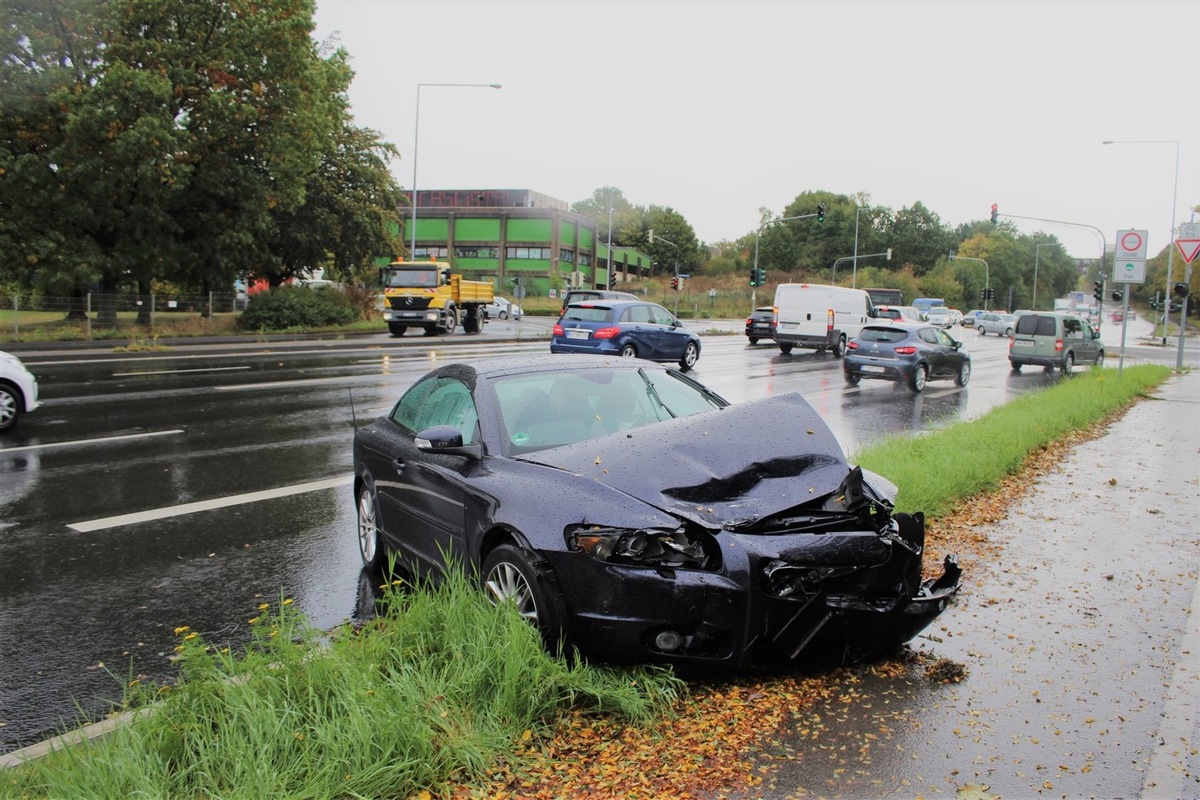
647	547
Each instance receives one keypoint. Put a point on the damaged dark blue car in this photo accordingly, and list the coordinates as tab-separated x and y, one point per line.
636	516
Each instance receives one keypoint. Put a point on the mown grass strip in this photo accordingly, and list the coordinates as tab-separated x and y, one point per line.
939	469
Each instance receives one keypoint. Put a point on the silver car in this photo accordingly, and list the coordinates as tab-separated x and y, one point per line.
999	324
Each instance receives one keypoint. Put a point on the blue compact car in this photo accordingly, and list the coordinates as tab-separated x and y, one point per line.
628	328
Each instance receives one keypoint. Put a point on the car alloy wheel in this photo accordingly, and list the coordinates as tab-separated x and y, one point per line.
628	351
368	529
964	374
920	374
691	354
8	408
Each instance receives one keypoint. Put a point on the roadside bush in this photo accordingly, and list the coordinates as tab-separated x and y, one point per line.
297	307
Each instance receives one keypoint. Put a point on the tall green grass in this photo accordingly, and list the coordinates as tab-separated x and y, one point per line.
975	456
435	688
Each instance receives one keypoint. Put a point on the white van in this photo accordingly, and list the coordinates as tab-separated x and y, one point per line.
818	316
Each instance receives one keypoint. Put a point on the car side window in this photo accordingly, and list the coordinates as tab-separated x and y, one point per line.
943	338
660	316
927	335
638	313
1071	328
438	401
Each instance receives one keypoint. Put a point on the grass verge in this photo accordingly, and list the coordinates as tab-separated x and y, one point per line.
444	694
436	688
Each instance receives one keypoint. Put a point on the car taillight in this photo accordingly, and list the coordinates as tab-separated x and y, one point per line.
851	345
606	333
1010	342
1058	345
558	329
906	350
829	320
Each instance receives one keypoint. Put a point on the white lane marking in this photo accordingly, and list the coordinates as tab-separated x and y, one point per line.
86	442
176	371
208	505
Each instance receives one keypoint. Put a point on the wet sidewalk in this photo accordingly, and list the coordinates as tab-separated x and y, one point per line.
1081	641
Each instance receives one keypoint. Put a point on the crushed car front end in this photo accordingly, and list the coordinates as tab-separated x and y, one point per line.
822	583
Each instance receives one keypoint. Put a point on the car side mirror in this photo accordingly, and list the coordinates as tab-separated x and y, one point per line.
446	440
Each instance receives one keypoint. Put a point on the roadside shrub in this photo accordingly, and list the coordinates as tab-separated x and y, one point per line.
297	307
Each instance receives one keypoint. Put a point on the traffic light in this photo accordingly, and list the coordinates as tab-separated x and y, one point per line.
982	295
820	212
1098	291
675	283
753	277
995	213
1117	294
1182	290
612	279
762	277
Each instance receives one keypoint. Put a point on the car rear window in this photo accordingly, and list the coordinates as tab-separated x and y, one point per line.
1035	325
883	335
589	313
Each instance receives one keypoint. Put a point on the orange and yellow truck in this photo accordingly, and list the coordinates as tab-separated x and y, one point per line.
425	294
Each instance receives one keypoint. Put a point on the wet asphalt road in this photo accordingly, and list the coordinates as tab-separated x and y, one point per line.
236	463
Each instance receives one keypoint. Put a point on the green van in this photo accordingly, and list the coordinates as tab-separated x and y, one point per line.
1054	340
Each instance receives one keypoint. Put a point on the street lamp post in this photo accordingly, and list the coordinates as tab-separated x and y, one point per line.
854	279
1037	251
833	275
412	250
1170	243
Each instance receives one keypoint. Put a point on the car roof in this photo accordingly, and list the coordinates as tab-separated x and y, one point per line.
610	302
507	365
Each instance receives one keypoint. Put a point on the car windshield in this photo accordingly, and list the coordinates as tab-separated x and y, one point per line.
548	409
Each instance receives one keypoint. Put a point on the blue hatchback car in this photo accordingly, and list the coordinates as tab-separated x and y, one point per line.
629	328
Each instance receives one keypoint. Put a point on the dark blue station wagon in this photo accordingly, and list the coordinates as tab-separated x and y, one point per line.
628	328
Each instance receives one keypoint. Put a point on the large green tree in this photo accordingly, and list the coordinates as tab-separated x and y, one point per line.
177	139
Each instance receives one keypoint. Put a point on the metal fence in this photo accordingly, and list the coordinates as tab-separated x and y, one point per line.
95	315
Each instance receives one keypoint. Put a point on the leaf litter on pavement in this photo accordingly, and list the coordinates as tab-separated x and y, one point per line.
723	739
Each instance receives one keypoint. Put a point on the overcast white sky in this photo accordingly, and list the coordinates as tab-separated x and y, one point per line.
717	108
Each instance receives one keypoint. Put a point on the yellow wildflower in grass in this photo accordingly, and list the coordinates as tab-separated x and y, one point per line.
287	602
190	636
263	606
254	620
182	629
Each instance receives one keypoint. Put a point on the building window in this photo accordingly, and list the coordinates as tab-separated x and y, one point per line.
477	252
533	253
585	260
430	252
566	256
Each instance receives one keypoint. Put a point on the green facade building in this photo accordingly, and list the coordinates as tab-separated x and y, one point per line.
516	235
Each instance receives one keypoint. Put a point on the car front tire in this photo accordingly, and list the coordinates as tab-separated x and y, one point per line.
691	354
509	576
964	374
369	545
10	408
1068	363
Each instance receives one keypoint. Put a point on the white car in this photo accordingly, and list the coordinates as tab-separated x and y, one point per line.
940	316
502	308
18	390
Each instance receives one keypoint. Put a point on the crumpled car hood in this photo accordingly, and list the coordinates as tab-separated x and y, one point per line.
721	468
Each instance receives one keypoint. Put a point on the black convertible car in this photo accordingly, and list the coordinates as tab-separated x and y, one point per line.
635	515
